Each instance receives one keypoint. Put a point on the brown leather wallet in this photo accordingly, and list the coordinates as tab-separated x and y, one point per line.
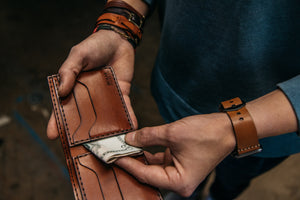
95	109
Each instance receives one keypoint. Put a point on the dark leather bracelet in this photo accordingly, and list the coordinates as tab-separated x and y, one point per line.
132	17
123	19
243	126
118	30
122	4
120	21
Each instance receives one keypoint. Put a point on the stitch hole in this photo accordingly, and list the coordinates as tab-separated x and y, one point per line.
241	118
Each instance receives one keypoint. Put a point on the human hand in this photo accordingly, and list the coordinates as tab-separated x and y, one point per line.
100	49
195	145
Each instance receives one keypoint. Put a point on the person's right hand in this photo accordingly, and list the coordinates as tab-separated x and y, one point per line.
100	49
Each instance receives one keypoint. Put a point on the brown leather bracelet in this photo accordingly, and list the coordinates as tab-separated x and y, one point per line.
120	7
120	21
243	126
122	4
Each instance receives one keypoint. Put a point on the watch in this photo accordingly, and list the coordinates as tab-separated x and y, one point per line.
243	127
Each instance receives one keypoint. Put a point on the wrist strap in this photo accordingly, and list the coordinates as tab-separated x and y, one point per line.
244	129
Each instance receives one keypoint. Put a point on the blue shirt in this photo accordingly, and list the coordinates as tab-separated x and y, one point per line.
211	51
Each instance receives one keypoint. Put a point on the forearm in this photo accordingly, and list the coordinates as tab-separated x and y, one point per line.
272	114
139	5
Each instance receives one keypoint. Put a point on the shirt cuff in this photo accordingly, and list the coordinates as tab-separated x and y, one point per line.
291	88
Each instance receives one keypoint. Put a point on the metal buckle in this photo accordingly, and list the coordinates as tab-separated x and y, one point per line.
234	153
131	19
234	107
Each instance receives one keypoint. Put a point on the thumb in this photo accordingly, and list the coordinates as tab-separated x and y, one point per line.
68	74
149	136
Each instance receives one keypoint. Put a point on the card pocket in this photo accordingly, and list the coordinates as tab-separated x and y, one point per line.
92	113
109	181
96	178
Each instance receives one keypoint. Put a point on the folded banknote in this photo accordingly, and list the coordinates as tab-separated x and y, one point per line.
110	149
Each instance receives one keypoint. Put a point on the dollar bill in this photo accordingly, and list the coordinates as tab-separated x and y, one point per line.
110	149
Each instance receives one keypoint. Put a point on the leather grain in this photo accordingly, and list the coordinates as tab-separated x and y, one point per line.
243	126
94	110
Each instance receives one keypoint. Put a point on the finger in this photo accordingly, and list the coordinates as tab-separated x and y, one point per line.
155	175
168	157
68	74
155	159
52	132
149	136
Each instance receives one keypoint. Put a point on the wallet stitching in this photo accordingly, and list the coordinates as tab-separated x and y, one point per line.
67	131
122	100
64	118
81	183
110	133
117	182
83	155
61	132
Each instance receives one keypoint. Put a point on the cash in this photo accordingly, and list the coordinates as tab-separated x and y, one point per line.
110	149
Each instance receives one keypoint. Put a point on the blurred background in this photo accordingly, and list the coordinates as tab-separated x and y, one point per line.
36	37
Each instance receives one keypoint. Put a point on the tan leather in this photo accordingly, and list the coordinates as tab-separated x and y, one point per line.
244	128
121	22
95	109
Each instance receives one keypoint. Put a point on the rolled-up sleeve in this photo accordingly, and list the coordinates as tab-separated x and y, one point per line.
291	89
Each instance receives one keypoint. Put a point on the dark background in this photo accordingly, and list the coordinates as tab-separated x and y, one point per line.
36	37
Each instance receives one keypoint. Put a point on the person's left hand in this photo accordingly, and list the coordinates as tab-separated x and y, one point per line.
195	145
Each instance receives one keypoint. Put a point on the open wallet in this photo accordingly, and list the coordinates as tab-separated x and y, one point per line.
93	111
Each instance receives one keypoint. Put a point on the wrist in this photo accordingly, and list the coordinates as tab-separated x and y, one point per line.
229	132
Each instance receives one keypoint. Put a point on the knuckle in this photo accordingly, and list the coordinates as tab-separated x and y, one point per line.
70	70
171	133
145	135
75	49
186	191
184	186
142	180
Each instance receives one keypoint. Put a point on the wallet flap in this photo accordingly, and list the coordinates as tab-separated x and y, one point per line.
94	109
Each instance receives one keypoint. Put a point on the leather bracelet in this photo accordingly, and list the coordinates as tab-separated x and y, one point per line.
123	19
243	126
118	30
120	21
132	17
122	8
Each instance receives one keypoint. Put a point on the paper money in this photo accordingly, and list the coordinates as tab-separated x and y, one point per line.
110	149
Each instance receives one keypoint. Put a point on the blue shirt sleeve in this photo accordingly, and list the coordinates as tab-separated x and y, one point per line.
291	89
151	4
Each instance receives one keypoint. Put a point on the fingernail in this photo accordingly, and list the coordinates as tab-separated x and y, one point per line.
129	138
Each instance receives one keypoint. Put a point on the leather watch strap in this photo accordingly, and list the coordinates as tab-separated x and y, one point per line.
244	129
